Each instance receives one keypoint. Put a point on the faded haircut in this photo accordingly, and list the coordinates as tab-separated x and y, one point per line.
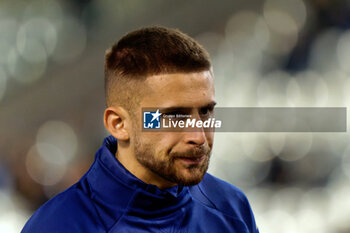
146	52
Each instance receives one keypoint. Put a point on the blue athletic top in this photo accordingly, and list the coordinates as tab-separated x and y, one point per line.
108	198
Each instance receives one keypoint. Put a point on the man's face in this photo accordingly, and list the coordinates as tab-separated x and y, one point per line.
177	157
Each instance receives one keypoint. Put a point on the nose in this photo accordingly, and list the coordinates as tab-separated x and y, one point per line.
195	138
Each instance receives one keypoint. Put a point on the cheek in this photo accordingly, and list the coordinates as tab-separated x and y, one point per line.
159	141
165	142
210	138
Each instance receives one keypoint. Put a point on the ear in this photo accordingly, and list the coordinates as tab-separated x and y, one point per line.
116	121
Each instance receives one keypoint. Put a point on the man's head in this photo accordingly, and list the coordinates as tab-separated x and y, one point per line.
163	68
146	52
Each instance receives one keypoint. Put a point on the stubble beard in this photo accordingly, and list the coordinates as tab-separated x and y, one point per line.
167	165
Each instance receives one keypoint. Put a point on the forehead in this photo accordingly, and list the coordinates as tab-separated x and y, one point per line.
180	89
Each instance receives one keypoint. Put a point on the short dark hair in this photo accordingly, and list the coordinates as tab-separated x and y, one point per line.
149	51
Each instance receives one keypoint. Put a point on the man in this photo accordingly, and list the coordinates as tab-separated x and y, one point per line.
151	181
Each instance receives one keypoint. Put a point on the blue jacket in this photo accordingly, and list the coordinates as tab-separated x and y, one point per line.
108	198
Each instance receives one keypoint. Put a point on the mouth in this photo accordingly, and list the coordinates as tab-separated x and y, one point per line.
192	160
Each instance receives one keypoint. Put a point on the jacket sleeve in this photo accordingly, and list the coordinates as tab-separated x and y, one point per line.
228	199
249	216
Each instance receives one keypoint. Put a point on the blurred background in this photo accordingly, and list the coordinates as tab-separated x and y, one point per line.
266	53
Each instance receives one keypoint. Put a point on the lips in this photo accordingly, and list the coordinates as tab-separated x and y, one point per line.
192	160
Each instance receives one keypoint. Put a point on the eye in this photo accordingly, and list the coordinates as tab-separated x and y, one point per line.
206	111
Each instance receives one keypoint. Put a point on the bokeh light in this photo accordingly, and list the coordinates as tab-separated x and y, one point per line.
285	20
254	147
343	51
71	40
47	160
45	164
277	220
8	31
50	10
23	71
297	145
61	135
271	91
36	40
323	55
3	79
346	162
12	215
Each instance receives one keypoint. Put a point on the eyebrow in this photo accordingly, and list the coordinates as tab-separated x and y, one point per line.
210	105
182	108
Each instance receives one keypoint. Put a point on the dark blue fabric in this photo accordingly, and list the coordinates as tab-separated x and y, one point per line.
108	198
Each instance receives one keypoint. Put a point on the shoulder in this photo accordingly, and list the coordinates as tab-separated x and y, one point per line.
69	211
224	197
220	191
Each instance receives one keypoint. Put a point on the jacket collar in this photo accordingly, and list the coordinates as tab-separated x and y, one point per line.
114	188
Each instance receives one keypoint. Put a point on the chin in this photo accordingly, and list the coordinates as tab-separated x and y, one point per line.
190	176
191	182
